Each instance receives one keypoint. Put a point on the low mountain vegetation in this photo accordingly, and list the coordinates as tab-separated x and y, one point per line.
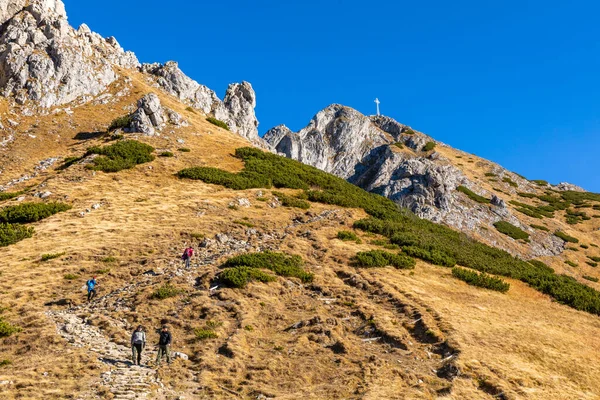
472	195
9	195
540	228
380	258
590	278
120	123
400	226
30	212
289	201
240	270
13	233
218	123
348	236
429	146
510	230
512	183
7	329
120	156
166	291
482	280
52	256
571	264
565	237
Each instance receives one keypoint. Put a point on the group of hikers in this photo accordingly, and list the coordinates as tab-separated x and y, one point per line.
138	338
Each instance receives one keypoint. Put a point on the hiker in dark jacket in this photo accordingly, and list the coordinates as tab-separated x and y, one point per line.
138	343
188	253
91	288
164	345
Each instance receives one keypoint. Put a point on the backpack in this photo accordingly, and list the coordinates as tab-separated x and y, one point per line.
190	252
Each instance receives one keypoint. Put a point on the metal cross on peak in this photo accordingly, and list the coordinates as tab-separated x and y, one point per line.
377	102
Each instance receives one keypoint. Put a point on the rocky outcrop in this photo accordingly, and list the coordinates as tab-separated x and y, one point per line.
568	187
151	117
383	156
236	110
45	61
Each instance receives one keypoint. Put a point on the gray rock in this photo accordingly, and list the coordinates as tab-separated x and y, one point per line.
497	201
150	116
45	61
567	187
236	110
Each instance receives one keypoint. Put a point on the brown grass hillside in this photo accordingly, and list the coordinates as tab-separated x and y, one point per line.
351	334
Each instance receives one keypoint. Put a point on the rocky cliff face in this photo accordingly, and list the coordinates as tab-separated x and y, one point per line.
45	62
237	109
383	156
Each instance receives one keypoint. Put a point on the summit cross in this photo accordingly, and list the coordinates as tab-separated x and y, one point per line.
377	102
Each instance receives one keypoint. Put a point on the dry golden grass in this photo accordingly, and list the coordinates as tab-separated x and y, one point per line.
519	343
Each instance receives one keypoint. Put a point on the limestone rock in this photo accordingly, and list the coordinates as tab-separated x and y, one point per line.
236	110
45	61
566	187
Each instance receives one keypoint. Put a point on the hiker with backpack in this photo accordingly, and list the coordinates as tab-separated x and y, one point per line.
138	343
164	345
188	253
91	288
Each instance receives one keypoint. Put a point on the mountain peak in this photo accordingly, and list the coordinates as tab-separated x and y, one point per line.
10	8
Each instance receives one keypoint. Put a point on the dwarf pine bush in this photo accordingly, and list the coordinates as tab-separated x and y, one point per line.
289	201
472	195
240	270
590	278
429	146
403	228
565	237
166	291
509	181
120	123
348	236
540	228
511	230
380	258
7	329
13	233
482	280
119	156
30	212
218	123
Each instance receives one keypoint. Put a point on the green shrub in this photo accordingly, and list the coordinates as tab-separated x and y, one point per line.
490	174
593	245
506	179
388	220
534	211
527	195
218	123
565	237
574	217
540	182
109	260
120	123
590	278
119	156
399	145
511	230
30	212
571	263
190	109
288	201
203	334
592	264
584	246
239	277
9	195
6	329
434	256
184	150
166	291
348	236
48	257
579	197
380	258
540	227
409	131
244	223
13	233
5	363
482	280
472	195
166	154
593	258
252	263
71	277
429	146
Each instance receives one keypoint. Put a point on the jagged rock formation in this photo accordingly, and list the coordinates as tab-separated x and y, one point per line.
383	156
151	116
45	60
236	110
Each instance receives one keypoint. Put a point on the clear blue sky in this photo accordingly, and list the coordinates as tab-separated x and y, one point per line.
517	82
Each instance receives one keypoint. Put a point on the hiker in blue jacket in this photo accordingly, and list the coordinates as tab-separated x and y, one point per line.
91	288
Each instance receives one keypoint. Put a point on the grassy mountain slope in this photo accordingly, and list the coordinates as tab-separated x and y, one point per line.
351	333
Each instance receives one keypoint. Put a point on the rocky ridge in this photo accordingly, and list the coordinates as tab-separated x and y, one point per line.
383	156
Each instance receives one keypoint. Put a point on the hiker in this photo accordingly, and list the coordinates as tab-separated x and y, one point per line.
138	343
188	253
164	344
91	288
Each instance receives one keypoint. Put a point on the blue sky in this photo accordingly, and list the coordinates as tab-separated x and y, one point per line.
517	82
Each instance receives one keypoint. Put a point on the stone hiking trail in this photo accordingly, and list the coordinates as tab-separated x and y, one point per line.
126	381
